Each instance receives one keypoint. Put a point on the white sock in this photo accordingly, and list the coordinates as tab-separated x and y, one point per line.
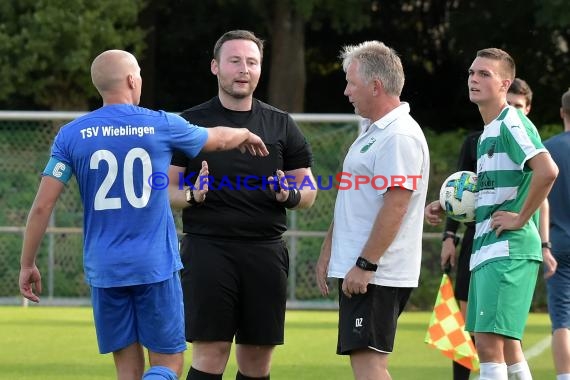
563	376
519	371
493	371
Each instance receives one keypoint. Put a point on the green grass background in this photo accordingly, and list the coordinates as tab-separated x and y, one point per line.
44	343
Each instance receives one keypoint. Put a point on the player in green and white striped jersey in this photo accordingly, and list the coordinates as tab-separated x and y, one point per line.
506	144
515	174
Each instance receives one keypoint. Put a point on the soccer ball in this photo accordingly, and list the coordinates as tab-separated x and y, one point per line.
457	196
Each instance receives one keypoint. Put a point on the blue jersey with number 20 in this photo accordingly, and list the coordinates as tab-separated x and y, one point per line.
120	155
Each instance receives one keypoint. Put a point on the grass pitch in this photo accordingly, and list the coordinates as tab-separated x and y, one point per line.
45	343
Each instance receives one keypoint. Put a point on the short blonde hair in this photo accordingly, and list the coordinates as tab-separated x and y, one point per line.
509	68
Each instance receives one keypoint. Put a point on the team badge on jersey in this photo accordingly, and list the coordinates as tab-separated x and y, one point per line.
491	150
368	145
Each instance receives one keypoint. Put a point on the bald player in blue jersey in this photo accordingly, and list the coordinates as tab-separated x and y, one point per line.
131	257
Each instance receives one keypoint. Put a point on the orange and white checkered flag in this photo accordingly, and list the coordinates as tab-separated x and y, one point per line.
446	330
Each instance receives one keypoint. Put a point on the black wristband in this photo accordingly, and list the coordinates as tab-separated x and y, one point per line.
293	199
450	235
546	244
366	265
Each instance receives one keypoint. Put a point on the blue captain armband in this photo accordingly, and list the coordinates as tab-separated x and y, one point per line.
58	170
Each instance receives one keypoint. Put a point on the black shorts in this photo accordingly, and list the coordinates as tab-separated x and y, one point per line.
234	289
369	320
463	274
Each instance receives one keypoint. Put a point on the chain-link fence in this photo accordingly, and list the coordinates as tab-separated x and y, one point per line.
25	141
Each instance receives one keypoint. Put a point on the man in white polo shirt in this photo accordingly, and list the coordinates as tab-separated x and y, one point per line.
375	241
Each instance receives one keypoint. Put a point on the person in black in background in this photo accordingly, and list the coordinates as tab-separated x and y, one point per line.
449	258
235	260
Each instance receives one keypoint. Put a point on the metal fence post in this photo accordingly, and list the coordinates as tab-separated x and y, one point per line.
293	256
51	257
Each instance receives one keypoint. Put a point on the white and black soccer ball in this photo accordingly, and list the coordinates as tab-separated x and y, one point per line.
457	196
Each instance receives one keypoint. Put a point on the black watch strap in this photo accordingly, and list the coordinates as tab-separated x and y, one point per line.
450	235
190	197
364	264
546	244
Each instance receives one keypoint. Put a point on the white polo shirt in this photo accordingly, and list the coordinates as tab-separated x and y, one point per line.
393	150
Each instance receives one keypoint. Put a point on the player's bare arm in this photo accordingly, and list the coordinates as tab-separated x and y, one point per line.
386	227
448	253
322	266
36	225
548	260
225	138
544	172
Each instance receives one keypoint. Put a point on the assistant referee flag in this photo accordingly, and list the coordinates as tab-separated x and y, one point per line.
446	330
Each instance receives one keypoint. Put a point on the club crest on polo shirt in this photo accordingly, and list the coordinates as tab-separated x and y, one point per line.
368	145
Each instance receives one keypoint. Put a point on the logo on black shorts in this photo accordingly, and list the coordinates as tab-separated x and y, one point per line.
358	322
357	329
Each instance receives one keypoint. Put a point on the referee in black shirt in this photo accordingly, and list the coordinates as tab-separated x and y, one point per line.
235	259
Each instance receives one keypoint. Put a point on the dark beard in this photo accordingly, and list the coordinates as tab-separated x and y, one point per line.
234	94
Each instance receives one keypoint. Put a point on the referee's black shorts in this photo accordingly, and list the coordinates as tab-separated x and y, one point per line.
234	288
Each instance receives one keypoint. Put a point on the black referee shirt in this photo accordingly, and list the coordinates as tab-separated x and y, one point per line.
239	203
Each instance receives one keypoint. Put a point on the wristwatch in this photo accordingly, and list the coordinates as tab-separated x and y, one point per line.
190	197
546	244
450	235
364	264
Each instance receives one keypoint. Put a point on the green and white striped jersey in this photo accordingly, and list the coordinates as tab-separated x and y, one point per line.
503	181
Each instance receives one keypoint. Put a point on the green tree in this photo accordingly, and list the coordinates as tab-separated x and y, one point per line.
554	13
287	24
536	34
283	24
46	46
